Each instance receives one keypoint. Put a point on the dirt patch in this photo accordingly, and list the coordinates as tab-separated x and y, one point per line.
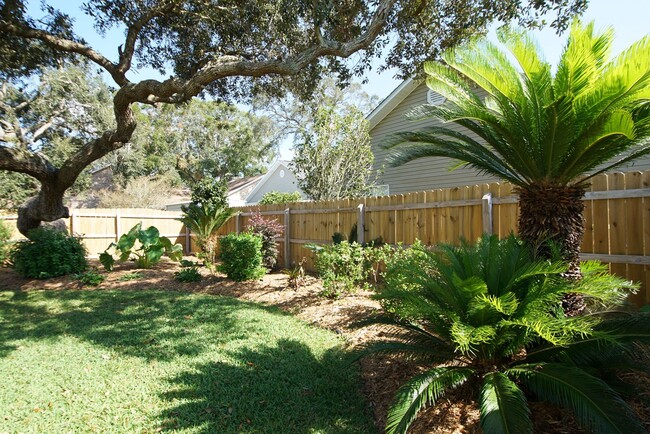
456	413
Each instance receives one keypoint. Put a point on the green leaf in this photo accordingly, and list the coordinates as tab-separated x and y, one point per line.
149	236
107	260
153	254
175	253
422	390
504	409
593	402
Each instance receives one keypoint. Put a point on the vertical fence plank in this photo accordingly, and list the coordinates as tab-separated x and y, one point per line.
600	213
634	232
617	219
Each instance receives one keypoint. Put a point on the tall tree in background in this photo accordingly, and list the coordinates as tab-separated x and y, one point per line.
546	133
229	49
195	140
332	155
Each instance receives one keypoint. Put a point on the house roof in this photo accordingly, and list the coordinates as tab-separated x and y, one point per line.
391	101
237	184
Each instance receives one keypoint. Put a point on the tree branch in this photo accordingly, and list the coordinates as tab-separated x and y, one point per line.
66	45
20	160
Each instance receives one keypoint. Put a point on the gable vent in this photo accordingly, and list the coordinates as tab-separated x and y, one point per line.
435	98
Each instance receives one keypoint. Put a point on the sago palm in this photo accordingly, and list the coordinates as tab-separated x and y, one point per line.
487	315
547	133
204	221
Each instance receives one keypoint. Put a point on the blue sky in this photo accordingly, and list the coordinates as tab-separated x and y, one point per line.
629	18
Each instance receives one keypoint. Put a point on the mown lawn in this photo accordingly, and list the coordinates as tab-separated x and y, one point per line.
151	361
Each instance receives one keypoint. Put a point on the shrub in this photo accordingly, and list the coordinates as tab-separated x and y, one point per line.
189	274
5	243
241	256
489	316
90	277
151	247
268	230
344	266
341	267
278	197
48	253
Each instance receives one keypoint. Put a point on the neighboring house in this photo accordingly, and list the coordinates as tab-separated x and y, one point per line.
389	117
278	178
249	190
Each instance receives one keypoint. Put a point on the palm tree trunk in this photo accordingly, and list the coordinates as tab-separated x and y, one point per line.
552	212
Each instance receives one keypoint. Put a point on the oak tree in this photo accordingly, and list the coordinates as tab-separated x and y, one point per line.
230	50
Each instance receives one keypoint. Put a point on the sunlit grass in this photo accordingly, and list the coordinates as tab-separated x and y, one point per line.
146	361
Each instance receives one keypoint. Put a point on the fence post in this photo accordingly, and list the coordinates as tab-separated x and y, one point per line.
74	222
486	205
237	222
361	217
118	224
287	237
188	241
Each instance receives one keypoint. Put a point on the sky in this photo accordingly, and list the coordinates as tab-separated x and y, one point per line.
629	18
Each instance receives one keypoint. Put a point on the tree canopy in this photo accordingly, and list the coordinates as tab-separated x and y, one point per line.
231	50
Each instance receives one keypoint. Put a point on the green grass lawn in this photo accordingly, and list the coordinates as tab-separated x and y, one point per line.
151	361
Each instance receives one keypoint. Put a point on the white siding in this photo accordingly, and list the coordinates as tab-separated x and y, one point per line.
274	182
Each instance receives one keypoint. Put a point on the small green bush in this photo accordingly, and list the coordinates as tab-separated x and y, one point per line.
341	267
345	266
49	253
135	275
278	197
90	278
190	274
5	244
241	256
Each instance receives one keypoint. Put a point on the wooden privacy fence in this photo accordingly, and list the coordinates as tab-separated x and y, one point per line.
99	227
617	217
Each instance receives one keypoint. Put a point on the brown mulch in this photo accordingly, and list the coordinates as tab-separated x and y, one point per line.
457	412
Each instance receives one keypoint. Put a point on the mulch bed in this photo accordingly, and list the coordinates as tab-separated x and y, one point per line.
456	412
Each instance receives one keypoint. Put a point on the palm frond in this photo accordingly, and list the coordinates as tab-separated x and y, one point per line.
592	401
503	406
424	389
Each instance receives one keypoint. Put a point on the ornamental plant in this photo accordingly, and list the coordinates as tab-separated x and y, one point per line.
241	256
48	253
268	230
488	316
147	252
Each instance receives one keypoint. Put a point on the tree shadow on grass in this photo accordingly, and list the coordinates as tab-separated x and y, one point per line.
154	325
273	389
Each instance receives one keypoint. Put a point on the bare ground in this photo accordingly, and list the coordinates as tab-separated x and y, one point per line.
456	413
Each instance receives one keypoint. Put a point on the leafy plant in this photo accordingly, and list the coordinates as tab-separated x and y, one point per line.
150	248
90	277
189	263
135	275
341	267
489	316
278	197
204	220
241	256
189	274
296	275
48	253
268	230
